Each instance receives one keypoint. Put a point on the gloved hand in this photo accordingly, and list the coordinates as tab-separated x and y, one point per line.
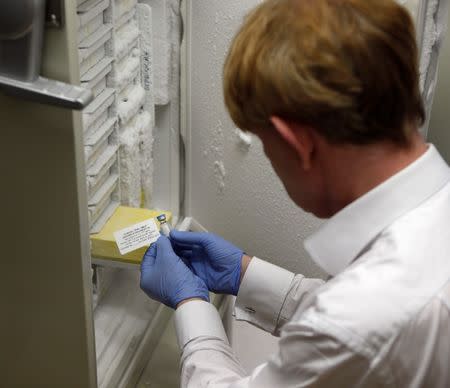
216	261
167	279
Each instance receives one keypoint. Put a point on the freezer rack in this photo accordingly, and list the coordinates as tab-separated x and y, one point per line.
118	124
116	40
96	57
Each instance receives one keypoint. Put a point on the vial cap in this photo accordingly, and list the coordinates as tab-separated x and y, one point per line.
162	218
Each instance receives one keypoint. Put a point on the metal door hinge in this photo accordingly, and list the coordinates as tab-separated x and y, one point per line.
54	13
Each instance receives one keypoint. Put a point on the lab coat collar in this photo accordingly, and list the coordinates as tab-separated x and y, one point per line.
345	235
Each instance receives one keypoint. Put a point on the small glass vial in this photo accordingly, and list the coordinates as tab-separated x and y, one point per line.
165	227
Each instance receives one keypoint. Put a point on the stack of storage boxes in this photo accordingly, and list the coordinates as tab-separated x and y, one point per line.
118	124
96	55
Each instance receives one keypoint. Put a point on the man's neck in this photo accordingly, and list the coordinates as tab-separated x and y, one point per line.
361	169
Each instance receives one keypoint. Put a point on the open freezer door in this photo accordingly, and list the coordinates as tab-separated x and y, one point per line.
46	328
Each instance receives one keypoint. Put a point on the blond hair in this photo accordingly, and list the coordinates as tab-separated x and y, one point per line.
347	68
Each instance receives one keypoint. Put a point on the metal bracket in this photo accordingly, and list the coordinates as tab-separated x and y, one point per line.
54	13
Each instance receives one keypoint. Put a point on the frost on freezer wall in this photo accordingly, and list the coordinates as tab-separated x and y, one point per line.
145	128
130	180
431	17
131	98
126	70
233	189
134	66
162	25
136	165
439	131
145	21
155	26
435	28
247	203
131	101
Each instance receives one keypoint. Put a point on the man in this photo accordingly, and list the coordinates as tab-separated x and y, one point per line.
331	89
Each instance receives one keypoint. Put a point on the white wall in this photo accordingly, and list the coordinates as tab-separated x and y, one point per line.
234	191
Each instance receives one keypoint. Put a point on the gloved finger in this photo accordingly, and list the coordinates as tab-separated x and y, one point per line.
185	254
189	238
149	257
179	250
178	245
187	263
164	246
151	251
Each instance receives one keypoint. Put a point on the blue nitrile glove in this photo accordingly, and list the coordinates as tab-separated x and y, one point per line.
216	261
167	279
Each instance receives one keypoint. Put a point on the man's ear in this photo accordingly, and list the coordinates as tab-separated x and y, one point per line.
297	137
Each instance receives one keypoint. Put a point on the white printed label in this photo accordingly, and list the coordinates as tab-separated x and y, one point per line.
137	236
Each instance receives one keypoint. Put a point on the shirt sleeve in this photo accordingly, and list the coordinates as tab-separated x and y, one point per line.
305	358
269	295
207	355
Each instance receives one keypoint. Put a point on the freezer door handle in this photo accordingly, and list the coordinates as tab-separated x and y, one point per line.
49	92
22	25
